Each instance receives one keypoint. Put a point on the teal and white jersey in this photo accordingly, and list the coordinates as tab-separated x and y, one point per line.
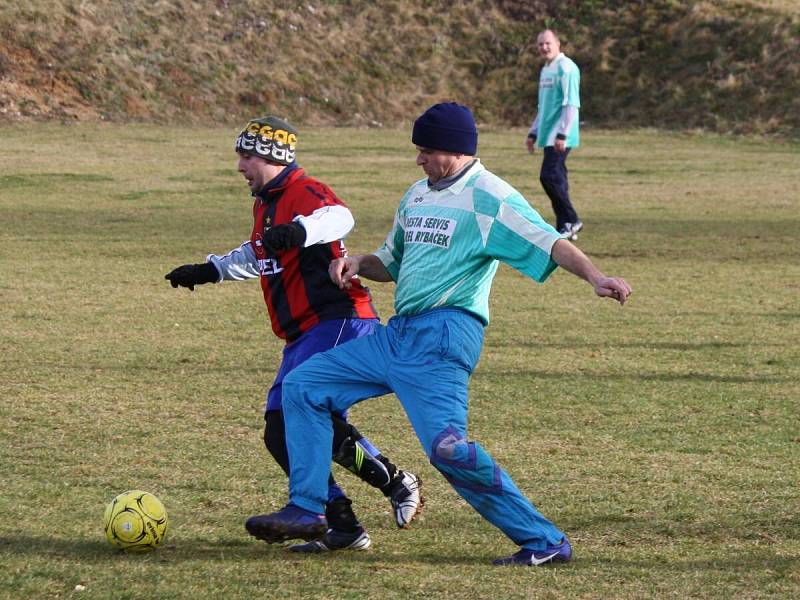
559	86
444	246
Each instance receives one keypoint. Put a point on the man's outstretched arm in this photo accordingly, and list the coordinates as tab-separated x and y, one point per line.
571	258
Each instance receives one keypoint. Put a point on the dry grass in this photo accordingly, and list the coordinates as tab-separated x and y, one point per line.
661	436
718	65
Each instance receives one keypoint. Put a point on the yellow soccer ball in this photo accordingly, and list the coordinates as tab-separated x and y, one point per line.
135	521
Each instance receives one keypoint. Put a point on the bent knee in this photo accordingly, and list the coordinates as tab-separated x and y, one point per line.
465	464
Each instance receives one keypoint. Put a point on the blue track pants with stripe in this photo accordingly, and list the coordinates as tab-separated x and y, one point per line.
426	360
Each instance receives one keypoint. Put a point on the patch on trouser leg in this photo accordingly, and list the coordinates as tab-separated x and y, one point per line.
465	464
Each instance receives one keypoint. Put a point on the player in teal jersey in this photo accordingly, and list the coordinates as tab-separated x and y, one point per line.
449	233
556	128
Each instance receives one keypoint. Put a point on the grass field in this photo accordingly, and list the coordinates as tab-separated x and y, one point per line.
663	436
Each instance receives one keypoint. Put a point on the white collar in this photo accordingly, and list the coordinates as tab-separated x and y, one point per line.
559	55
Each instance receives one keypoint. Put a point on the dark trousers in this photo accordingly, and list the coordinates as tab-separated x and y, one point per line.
553	178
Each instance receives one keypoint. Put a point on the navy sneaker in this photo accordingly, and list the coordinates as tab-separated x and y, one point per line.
532	558
336	540
290	522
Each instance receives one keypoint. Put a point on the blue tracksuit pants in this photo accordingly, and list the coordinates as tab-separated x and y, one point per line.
426	360
323	336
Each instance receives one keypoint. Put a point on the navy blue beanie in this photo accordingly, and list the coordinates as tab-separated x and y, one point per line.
447	126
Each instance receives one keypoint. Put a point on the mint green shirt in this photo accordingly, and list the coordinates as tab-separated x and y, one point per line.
444	246
559	86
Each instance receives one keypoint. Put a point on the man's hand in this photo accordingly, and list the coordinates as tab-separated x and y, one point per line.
283	237
560	145
530	142
342	270
192	275
612	287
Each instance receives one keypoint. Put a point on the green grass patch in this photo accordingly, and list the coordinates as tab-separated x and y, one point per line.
662	436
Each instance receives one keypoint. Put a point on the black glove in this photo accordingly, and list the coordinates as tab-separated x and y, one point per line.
191	275
282	237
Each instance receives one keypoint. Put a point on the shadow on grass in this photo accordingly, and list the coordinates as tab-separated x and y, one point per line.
594	376
761	558
99	551
648	345
761	565
760	528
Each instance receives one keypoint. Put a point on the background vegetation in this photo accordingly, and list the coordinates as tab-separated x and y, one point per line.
662	436
720	65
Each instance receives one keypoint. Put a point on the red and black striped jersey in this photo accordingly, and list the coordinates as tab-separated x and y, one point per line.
297	289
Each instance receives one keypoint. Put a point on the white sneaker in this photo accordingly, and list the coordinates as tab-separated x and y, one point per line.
571	230
335	540
404	494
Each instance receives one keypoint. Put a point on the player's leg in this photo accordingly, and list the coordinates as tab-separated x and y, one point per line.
574	223
275	441
357	454
553	177
402	488
433	391
370	466
350	448
344	529
344	525
328	382
352	451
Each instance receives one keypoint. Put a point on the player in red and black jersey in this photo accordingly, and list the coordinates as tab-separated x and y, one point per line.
298	228
311	220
